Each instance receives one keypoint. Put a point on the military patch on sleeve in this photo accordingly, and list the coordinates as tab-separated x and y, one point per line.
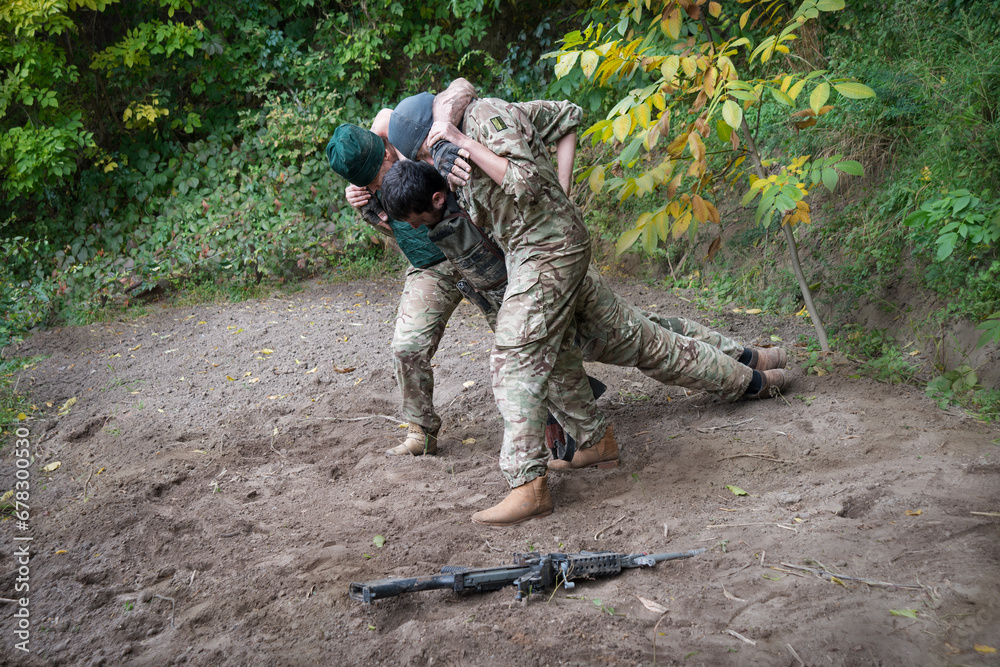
498	123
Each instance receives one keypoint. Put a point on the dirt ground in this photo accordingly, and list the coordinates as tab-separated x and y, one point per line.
222	481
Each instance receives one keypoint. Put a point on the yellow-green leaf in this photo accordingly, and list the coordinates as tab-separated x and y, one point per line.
854	91
588	62
52	466
737	491
669	68
622	126
781	97
796	88
660	222
732	113
626	240
689	65
565	63
672	26
830	5
681	225
597	179
744	17
642	114
714	9
819	96
649	239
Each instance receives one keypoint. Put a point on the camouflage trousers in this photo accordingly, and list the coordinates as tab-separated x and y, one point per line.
535	364
429	298
671	350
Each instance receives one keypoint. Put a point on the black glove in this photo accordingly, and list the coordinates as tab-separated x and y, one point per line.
445	153
371	211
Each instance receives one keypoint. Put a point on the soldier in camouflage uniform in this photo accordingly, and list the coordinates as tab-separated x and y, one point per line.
429	294
547	245
612	331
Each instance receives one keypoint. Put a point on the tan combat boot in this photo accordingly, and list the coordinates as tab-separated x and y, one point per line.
774	381
418	442
767	358
603	455
528	501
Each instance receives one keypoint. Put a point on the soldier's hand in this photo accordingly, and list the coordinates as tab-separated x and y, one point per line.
357	196
450	163
443	131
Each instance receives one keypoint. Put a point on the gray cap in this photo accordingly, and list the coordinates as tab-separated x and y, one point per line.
410	122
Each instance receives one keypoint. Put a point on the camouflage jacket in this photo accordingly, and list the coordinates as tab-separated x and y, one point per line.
529	211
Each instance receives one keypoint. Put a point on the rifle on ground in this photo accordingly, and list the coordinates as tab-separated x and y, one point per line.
530	573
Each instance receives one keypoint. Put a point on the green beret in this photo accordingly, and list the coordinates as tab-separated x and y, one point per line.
356	154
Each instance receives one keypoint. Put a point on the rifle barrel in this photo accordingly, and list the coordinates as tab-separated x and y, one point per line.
659	558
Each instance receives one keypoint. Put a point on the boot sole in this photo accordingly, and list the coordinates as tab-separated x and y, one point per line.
512	523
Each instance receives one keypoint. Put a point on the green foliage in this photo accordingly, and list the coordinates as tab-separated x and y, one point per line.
955	220
12	402
891	366
178	144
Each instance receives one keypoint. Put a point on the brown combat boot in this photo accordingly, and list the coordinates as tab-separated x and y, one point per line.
774	381
418	442
603	455
528	501
767	358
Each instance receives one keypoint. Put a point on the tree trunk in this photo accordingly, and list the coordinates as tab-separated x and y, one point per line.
793	249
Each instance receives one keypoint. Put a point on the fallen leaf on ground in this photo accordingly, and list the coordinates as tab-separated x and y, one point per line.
378	541
983	648
737	491
754	311
909	613
52	466
837	580
337	369
468	383
469	441
6	496
312	371
64	410
265	351
654	607
914	512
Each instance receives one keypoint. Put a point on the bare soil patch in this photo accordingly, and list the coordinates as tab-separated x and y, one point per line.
215	499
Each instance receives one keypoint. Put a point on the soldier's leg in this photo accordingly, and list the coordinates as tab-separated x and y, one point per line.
428	300
533	354
692	329
614	331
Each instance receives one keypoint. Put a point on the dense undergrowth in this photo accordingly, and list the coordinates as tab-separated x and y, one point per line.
185	155
923	227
